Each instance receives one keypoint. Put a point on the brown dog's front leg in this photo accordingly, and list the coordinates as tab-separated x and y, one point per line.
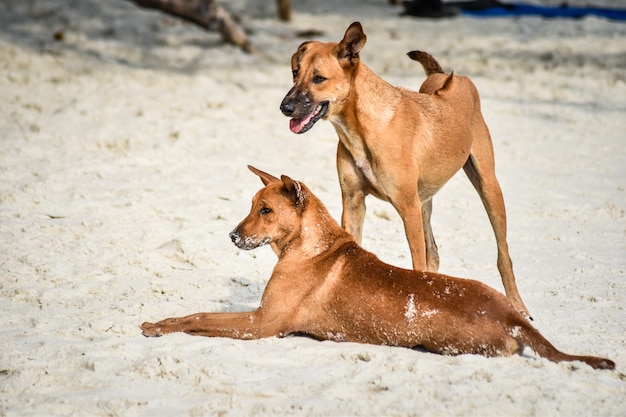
411	215
352	194
353	215
233	325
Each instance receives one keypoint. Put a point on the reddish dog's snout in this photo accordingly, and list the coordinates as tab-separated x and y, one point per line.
235	236
247	242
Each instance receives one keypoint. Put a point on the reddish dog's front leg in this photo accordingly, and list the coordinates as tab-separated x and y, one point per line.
233	325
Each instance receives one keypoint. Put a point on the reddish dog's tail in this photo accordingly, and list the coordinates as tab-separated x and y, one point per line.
529	336
430	64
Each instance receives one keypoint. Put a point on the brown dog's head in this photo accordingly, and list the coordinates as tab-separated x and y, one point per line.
275	216
321	74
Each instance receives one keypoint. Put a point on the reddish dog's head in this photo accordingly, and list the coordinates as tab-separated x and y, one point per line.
321	74
276	214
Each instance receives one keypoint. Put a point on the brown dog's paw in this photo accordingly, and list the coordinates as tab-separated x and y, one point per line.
151	330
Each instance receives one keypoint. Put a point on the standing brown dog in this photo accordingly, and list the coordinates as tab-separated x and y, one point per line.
326	286
399	145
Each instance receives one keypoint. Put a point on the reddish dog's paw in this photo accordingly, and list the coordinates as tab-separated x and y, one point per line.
151	329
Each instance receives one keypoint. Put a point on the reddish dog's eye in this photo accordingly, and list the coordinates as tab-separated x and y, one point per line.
318	79
294	73
265	210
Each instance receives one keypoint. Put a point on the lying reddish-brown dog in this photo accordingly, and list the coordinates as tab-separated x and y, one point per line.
327	287
398	145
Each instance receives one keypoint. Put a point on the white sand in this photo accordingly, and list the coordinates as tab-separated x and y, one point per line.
123	153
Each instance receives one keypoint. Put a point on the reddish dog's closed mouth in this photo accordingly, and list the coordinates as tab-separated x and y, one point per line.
303	124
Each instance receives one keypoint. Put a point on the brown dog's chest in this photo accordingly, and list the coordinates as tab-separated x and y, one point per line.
361	158
364	168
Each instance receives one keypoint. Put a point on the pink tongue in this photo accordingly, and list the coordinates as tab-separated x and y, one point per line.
296	125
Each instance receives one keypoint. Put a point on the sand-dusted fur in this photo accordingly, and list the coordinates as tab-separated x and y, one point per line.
329	288
398	145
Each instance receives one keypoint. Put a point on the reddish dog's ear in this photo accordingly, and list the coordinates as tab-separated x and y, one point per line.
265	177
297	192
351	44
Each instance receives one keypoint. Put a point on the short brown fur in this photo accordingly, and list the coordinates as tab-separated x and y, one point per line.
399	145
327	287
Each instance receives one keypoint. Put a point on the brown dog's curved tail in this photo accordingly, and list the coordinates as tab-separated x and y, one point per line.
531	337
430	64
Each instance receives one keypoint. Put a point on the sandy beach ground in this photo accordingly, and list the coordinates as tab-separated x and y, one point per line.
123	153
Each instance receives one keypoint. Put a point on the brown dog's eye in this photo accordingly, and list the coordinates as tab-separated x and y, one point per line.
294	73
318	79
266	210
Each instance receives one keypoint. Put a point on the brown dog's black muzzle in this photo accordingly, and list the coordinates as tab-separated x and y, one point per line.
296	103
288	106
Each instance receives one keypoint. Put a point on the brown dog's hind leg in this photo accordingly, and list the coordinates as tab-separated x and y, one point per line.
432	252
480	170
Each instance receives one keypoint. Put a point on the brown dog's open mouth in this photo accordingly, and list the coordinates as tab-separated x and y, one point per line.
305	123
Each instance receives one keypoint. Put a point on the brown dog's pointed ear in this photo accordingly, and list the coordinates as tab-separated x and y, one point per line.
351	44
297	192
265	177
